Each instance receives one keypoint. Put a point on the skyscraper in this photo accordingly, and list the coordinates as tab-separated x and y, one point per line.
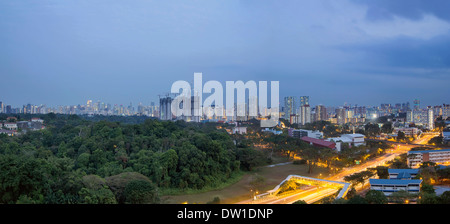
165	105
305	114
430	118
290	106
416	104
340	115
321	113
304	100
445	111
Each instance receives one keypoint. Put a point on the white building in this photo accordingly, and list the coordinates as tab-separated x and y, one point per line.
299	133
430	118
408	131
305	114
37	120
10	126
350	139
389	186
440	157
357	139
239	130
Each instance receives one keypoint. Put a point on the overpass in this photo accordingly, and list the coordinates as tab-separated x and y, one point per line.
308	181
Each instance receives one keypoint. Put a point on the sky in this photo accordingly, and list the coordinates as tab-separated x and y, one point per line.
365	52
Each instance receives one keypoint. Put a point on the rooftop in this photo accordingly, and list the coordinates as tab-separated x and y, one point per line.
355	135
403	170
318	141
427	151
394	181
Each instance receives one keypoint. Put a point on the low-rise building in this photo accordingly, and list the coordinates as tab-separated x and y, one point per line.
319	142
356	139
440	157
403	174
30	125
349	139
410	132
389	186
300	133
37	120
10	126
446	135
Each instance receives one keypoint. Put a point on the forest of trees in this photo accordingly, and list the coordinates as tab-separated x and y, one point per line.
75	160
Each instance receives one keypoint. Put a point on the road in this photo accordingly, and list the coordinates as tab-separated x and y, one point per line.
313	194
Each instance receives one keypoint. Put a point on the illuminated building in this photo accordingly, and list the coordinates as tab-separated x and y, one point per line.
440	157
389	186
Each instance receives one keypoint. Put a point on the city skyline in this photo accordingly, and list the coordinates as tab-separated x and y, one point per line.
360	52
282	103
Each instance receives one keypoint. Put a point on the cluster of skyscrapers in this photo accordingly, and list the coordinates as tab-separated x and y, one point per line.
426	116
298	110
90	108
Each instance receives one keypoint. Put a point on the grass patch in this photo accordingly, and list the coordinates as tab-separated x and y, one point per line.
235	177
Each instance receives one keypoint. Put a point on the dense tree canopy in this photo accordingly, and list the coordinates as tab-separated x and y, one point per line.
51	165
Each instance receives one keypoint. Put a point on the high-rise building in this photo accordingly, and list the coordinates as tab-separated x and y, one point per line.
304	100
290	106
430	118
410	116
8	109
305	114
341	115
165	105
321	113
445	111
416	104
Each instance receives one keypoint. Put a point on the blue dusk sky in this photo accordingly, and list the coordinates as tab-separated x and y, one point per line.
365	52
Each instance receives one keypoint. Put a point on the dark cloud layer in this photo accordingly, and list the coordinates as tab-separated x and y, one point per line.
406	52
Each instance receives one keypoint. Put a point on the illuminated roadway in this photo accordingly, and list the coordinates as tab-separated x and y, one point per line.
313	193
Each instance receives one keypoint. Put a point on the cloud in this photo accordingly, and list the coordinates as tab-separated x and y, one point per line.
410	9
403	56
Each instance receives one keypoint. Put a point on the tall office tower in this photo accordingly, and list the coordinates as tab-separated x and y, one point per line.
408	106
416	104
305	114
304	100
341	115
430	118
289	107
321	113
1	107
